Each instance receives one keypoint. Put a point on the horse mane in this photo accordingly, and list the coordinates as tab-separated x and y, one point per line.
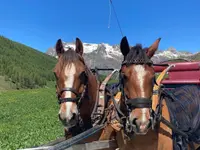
137	55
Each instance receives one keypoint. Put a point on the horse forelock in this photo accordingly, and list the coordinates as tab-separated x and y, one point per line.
68	58
137	54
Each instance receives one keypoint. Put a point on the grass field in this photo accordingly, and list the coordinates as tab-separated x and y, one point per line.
28	118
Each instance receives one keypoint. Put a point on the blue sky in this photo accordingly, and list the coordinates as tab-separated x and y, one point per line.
39	23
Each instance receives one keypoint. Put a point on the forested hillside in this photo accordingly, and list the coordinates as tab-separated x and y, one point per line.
23	66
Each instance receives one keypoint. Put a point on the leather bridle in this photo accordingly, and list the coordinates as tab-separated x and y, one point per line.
84	78
138	102
130	104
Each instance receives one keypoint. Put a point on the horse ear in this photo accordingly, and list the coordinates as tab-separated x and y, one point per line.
124	46
59	47
152	49
79	46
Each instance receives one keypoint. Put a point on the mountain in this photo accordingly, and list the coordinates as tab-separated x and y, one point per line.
105	55
24	67
99	55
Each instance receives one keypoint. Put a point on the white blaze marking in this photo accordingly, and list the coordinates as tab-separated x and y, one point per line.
140	76
69	73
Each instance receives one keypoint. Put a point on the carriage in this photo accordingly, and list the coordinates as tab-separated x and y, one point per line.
170	76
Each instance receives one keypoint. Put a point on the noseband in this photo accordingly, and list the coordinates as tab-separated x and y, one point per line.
138	103
63	100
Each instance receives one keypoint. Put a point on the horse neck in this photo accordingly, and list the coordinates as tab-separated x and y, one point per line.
90	97
92	87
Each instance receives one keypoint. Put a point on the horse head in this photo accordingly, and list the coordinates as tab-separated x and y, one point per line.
137	80
71	80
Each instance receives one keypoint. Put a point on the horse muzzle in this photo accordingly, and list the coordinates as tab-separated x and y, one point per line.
69	123
138	127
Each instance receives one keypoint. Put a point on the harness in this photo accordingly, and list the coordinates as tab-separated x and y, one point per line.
79	127
156	115
130	104
99	113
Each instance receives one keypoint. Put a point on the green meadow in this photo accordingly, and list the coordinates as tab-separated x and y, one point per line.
28	118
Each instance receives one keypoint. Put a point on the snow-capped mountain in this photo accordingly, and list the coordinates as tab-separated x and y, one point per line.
105	55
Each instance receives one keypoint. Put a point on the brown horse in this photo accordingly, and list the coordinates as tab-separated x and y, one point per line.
137	82
76	87
137	78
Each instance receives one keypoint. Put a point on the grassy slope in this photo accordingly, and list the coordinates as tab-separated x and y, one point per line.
23	65
28	118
